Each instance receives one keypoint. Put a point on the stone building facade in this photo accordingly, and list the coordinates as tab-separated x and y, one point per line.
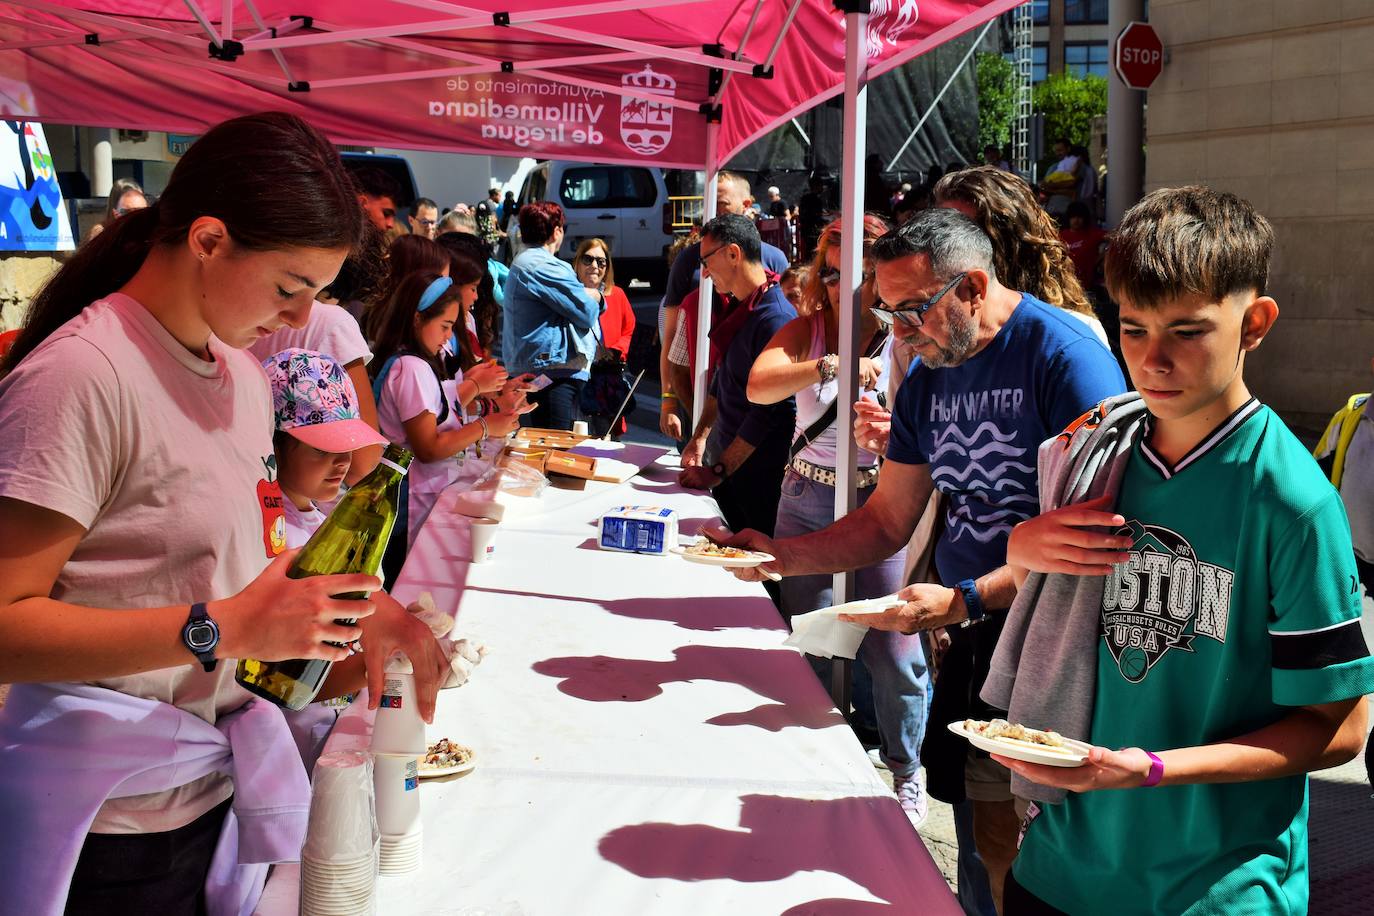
1274	100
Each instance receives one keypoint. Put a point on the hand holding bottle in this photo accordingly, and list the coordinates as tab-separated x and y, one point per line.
276	617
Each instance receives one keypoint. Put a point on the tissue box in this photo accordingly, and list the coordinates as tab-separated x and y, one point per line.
638	529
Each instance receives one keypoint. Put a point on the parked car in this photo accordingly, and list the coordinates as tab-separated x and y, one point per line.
623	204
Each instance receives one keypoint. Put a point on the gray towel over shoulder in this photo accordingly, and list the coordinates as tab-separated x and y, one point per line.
1044	672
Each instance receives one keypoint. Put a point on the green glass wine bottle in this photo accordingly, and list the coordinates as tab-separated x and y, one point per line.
352	540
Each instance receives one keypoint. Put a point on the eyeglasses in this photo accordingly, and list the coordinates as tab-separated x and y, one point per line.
831	276
589	260
427	223
705	255
914	317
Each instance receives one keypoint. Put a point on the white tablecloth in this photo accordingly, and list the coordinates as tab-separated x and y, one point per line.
644	742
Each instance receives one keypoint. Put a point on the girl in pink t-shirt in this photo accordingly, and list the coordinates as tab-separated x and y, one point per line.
143	528
443	419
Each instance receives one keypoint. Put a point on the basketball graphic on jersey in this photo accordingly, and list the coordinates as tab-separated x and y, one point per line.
1160	600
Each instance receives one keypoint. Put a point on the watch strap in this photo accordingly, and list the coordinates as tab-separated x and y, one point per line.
719	469
972	601
197	619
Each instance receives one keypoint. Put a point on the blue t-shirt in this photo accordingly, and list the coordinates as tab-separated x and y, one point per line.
760	425
979	426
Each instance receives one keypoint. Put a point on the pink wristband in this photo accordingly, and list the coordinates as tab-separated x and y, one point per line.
1156	771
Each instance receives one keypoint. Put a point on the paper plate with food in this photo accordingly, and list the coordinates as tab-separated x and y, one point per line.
710	553
445	758
1019	742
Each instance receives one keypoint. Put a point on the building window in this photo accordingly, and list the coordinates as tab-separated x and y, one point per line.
1039	62
1040	10
1084	59
1077	11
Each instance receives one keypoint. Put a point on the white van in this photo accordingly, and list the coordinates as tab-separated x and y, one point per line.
622	204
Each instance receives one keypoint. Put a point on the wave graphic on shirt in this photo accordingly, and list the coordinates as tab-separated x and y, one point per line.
991	469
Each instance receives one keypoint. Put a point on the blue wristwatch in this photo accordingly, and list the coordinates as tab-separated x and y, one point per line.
973	601
201	636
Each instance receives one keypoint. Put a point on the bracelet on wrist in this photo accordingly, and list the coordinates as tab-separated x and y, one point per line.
1156	774
827	367
667	396
485	431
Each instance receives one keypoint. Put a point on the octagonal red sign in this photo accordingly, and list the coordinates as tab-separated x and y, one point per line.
1139	56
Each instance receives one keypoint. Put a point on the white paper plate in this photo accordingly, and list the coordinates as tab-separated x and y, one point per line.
756	558
436	772
1074	754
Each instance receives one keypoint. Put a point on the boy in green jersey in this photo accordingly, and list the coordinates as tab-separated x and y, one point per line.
1229	659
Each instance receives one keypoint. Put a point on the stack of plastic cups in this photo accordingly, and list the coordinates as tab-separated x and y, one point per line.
339	859
398	741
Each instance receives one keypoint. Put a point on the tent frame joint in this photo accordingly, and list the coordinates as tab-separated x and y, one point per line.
307	22
507	66
298	86
502	19
712	112
227	50
862	7
93	38
762	72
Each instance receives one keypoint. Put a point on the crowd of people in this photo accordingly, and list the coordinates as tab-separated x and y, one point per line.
1160	570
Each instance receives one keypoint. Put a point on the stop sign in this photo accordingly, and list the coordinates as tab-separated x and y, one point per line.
1139	55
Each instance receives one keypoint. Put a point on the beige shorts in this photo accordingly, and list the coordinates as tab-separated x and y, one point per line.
986	780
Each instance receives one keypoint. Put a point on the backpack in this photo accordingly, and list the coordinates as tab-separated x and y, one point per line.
1335	441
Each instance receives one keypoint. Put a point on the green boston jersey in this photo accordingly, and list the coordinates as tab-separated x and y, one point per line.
1238	602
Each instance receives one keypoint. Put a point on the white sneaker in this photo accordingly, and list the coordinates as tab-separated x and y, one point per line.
876	758
911	793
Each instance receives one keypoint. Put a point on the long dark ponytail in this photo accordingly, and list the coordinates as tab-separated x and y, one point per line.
275	182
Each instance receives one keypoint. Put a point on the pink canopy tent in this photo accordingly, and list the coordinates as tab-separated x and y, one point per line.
670	83
612	81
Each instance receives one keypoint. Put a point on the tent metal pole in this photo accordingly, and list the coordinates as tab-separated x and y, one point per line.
851	279
204	21
226	19
782	33
290	26
703	342
739	52
941	94
113	22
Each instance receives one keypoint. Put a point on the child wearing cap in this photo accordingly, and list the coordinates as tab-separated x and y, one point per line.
1191	608
318	426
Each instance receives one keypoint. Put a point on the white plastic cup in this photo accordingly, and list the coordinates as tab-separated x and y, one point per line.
342	824
396	726
397	780
580	428
483	534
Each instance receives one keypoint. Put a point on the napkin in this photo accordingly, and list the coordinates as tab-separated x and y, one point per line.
463	656
823	634
440	623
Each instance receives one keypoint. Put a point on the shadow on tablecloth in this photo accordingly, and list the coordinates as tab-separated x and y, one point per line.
689	613
777	674
865	839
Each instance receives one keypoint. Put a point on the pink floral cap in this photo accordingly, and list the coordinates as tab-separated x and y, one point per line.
314	400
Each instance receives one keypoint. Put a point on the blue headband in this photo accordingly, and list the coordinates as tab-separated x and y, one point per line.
433	292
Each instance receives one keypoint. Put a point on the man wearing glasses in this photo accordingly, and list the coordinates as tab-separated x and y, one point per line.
747	444
424	218
999	373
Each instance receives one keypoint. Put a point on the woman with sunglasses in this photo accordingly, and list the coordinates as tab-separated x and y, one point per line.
801	360
606	387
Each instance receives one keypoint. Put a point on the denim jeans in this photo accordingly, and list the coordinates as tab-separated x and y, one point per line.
896	663
975	895
556	406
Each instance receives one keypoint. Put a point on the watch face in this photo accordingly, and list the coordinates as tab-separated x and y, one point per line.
202	635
